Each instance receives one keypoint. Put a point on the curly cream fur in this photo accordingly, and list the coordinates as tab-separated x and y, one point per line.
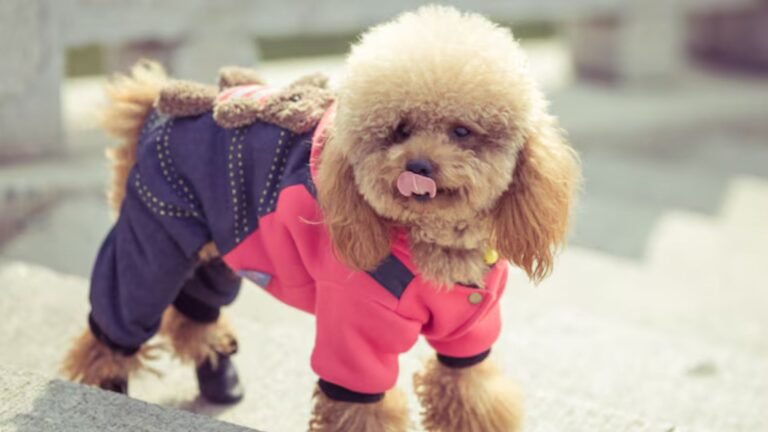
197	342
451	251
388	415
91	362
475	399
131	98
448	266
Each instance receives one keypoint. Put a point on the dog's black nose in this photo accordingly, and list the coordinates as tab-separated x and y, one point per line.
419	166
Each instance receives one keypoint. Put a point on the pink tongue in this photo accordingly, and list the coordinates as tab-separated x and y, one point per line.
409	184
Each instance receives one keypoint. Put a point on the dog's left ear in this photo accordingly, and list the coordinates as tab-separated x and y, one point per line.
531	218
359	236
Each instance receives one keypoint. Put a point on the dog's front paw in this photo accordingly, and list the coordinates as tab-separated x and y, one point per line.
387	415
474	399
198	342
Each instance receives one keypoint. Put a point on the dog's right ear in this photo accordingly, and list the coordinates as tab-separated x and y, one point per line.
531	218
359	236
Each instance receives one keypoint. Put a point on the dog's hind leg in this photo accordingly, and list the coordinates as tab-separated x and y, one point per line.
200	334
91	361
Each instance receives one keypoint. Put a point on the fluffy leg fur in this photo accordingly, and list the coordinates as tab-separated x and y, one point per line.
91	362
475	399
196	342
208	252
388	415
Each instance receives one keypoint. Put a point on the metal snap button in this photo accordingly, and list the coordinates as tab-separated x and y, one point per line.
475	298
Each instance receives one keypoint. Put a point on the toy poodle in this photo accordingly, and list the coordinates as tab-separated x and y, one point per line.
389	208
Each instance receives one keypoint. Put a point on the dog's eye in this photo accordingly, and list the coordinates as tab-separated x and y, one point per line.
461	132
401	133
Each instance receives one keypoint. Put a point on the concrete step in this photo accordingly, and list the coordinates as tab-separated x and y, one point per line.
718	265
701	276
738	227
601	331
579	371
711	304
679	381
683	241
33	403
745	212
555	413
627	191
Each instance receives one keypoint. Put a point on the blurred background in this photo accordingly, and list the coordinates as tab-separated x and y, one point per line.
656	317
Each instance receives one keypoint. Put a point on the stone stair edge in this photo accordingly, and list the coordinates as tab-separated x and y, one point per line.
33	402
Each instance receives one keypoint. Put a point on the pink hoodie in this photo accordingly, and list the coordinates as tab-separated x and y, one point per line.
364	320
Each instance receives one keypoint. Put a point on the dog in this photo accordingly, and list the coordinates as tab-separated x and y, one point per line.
388	208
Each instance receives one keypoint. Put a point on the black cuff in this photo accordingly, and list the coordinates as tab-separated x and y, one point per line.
195	309
102	337
341	394
462	362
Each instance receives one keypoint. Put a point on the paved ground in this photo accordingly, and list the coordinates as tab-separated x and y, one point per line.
656	318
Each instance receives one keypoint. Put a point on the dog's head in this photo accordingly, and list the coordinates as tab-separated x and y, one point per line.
439	122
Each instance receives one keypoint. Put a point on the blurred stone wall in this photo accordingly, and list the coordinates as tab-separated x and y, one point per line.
632	41
737	38
32	60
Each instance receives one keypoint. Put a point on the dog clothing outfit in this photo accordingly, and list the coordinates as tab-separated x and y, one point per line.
250	190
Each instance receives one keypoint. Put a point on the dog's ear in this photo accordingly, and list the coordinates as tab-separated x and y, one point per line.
359	236
531	218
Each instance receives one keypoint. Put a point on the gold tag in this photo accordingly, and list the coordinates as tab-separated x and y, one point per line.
491	256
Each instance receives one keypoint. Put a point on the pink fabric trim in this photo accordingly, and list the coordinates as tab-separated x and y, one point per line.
253	91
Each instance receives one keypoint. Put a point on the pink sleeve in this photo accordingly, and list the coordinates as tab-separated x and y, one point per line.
358	339
480	337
